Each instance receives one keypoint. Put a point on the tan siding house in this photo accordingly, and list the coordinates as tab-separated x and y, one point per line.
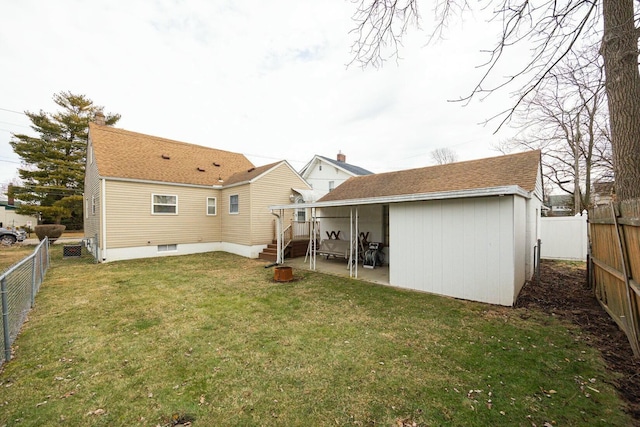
92	200
147	196
266	192
237	224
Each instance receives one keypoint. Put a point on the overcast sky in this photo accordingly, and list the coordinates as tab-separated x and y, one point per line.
264	78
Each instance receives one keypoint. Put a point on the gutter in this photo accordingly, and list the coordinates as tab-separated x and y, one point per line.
148	181
103	214
441	195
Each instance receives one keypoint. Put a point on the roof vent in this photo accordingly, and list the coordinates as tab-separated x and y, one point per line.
216	164
251	170
166	156
201	169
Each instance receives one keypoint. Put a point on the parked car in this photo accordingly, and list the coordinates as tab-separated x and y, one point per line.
9	237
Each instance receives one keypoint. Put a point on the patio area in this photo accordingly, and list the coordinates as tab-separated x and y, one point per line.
340	267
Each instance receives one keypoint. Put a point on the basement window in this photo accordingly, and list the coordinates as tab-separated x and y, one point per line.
168	248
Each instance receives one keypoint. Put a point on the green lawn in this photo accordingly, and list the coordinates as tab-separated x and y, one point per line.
213	340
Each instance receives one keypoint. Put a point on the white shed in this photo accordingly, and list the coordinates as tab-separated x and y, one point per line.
465	230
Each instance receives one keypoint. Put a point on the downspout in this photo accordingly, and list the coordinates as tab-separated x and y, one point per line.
103	214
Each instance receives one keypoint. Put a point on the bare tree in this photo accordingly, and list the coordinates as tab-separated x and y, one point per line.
567	120
442	156
552	30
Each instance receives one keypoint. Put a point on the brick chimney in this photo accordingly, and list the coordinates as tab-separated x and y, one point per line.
341	157
99	118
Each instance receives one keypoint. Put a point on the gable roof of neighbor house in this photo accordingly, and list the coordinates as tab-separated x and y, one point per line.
356	170
352	169
519	170
130	155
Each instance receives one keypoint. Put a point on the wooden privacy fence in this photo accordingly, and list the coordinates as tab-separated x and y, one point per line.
614	264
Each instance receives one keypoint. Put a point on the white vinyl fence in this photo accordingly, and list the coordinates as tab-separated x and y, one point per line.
564	238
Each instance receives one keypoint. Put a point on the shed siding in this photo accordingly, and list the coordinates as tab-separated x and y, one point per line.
521	243
272	188
533	230
130	222
462	248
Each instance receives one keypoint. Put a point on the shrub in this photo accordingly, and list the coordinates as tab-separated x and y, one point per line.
52	231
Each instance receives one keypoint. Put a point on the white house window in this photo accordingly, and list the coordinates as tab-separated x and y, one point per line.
164	204
332	185
93	205
234	204
168	248
86	208
211	205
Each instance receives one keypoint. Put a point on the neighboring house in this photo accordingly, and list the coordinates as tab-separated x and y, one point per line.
465	230
325	174
602	192
560	205
9	218
147	196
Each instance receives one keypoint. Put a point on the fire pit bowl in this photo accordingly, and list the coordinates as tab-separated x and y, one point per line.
283	274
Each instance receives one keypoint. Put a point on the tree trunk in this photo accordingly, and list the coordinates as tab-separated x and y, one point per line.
620	53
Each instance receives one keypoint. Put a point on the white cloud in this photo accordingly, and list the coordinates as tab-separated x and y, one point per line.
268	79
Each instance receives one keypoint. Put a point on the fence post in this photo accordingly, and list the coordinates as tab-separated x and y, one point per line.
538	260
48	256
45	247
33	280
535	263
5	319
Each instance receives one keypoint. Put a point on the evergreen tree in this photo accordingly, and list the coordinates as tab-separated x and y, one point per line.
54	162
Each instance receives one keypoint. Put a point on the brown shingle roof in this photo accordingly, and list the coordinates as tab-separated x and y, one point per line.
123	154
519	169
249	174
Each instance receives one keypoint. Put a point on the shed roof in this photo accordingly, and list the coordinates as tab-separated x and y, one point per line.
130	155
520	170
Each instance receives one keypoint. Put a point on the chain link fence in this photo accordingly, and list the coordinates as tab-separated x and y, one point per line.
19	286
